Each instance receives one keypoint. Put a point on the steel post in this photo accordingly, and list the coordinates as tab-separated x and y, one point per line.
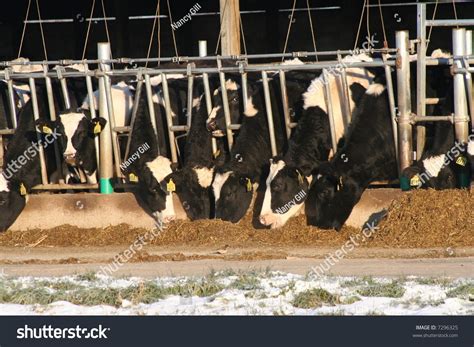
169	118
421	79
268	107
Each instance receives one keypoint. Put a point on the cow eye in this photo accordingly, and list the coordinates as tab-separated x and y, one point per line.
234	100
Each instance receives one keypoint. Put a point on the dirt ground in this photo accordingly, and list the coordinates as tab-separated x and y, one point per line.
419	225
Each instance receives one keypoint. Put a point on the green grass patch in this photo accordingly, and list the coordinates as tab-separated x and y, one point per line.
390	290
314	298
246	282
434	281
463	291
89	276
350	300
356	282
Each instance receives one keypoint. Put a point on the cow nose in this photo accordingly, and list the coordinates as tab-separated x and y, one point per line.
211	125
169	218
264	220
69	159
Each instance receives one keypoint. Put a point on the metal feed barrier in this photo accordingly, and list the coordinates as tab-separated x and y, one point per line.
108	149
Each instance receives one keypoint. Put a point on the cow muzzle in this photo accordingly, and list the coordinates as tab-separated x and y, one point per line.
268	220
70	159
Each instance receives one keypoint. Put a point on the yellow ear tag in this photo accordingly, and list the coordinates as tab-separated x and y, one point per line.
216	153
97	128
47	130
133	178
300	177
415	181
23	191
170	186
461	161
249	185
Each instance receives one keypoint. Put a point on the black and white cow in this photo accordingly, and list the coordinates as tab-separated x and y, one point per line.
368	154
77	132
150	167
234	181
290	176
21	170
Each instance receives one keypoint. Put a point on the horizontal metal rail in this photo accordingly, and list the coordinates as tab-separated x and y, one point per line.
450	22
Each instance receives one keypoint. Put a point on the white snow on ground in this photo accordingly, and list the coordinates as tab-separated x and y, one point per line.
264	293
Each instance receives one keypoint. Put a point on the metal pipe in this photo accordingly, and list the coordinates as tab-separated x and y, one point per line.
460	102
136	102
393	114
417	119
328	101
284	98
207	91
65	92
52	114
169	118
36	115
450	22
470	93
151	109
421	79
189	109
268	107
11	102
90	94
106	151
225	104
405	140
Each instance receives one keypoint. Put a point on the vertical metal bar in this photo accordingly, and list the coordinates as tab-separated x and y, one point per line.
136	102
34	102
268	107
470	95
52	114
169	118
405	136
106	151
328	101
115	143
151	108
189	109
90	94
207	91
225	104
11	102
346	102
284	98
393	114
65	92
460	101
245	90
421	79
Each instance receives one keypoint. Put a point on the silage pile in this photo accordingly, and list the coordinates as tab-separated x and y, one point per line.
419	219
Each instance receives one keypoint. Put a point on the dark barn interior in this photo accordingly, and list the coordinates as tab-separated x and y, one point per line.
265	26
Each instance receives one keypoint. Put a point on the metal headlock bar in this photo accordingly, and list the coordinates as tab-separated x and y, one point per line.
108	153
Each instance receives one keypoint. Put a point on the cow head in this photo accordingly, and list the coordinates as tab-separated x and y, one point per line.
12	201
216	120
287	188
331	199
193	189
233	194
155	191
77	132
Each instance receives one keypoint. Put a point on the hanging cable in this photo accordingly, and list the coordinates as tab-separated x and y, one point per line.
289	29
107	31
158	34
312	30
172	31
455	13
88	31
368	19
24	28
41	30
360	24
242	32
152	35
385	42
431	27
220	30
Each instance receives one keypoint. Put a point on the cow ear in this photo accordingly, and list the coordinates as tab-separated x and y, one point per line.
357	91
45	126
97	125
247	183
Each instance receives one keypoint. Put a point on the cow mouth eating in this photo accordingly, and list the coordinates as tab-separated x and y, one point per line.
70	159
